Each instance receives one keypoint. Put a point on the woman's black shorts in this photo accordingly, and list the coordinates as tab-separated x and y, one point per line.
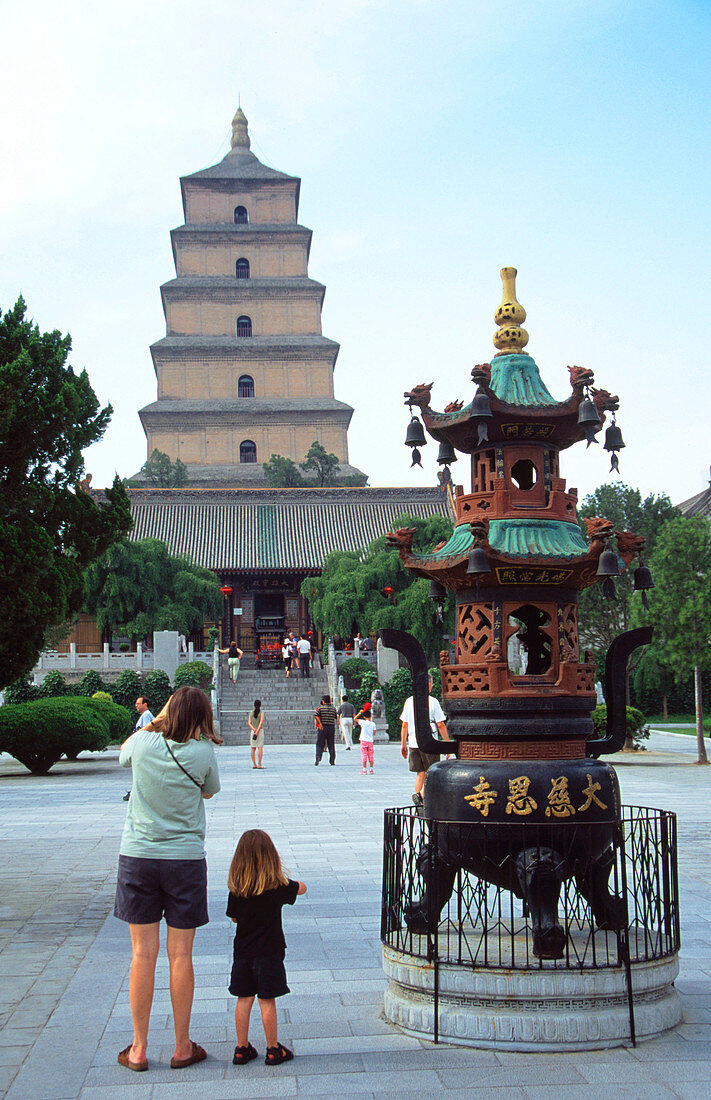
148	889
264	976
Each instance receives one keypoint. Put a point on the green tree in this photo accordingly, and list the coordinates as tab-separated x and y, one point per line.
50	528
322	462
282	473
680	604
161	472
350	593
138	587
600	619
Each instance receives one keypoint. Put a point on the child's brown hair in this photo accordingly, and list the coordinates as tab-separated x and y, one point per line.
255	866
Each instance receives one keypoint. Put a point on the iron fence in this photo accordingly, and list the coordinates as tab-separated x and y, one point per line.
482	924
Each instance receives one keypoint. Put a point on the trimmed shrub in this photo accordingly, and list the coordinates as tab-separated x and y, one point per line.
157	690
90	683
127	688
53	685
637	728
194	674
213	638
40	732
22	691
119	720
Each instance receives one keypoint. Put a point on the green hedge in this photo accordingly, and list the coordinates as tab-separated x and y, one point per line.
157	690
637	727
194	674
40	732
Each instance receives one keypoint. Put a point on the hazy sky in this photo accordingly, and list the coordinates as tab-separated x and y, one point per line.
437	141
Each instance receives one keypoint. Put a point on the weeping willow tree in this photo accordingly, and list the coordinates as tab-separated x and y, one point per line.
138	587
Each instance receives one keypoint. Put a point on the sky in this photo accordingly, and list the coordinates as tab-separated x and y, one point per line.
437	142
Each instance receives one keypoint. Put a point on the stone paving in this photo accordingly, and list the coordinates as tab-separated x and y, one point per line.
64	959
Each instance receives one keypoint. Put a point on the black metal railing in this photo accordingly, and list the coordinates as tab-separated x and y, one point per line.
486	925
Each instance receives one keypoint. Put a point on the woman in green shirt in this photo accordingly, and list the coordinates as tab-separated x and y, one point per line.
162	868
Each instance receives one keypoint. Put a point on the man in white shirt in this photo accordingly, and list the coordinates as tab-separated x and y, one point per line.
304	647
418	761
144	714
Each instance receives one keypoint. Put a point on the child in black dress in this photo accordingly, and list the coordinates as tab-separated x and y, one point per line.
258	889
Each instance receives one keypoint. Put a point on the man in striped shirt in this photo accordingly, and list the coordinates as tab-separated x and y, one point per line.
325	719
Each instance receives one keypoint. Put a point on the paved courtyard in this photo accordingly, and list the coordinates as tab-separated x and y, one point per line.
64	959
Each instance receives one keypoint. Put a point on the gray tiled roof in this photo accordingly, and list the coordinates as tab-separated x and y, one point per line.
239	164
699	505
273	529
248	344
229	282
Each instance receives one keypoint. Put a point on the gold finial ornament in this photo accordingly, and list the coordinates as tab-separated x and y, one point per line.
240	135
511	338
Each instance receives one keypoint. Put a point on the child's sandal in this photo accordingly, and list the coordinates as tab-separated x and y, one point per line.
278	1054
243	1055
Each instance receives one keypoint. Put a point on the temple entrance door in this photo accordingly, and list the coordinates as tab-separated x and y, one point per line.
269	612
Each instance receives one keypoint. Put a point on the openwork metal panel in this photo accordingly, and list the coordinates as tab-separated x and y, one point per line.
484	925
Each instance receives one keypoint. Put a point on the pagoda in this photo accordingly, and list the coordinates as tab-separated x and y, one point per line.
244	370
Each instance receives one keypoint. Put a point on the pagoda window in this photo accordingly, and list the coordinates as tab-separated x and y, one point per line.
244	326
247	451
523	474
241	215
245	386
529	650
242	269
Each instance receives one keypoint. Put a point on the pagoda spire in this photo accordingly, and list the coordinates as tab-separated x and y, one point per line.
510	315
240	133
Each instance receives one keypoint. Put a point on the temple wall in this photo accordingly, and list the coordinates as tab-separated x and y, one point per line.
221	445
204	379
269	318
266	260
265	206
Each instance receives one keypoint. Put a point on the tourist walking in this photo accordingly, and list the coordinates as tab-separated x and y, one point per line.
325	719
234	656
346	714
367	736
259	889
304	648
162	870
286	657
293	648
256	735
419	762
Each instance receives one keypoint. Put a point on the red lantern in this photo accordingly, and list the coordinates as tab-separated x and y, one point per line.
388	591
226	590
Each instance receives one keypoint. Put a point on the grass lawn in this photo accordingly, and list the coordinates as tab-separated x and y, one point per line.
677	723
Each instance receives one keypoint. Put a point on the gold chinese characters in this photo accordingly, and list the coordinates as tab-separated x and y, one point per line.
521	803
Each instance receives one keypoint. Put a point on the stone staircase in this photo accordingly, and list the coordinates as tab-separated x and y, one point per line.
288	705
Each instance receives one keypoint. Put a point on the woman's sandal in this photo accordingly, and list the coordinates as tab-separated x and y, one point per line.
197	1055
137	1067
278	1054
243	1055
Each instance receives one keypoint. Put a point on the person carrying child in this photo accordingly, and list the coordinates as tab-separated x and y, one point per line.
258	889
367	735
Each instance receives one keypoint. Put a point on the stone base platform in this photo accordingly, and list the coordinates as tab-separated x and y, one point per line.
546	1009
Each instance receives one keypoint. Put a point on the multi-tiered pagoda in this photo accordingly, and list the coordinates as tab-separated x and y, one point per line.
243	371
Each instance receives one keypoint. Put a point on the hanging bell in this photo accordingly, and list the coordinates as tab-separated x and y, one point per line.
608	567
415	436
589	419
437	591
481	411
642	581
614	442
446	454
478	562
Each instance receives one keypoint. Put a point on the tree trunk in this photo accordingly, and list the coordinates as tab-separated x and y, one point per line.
703	758
665	706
